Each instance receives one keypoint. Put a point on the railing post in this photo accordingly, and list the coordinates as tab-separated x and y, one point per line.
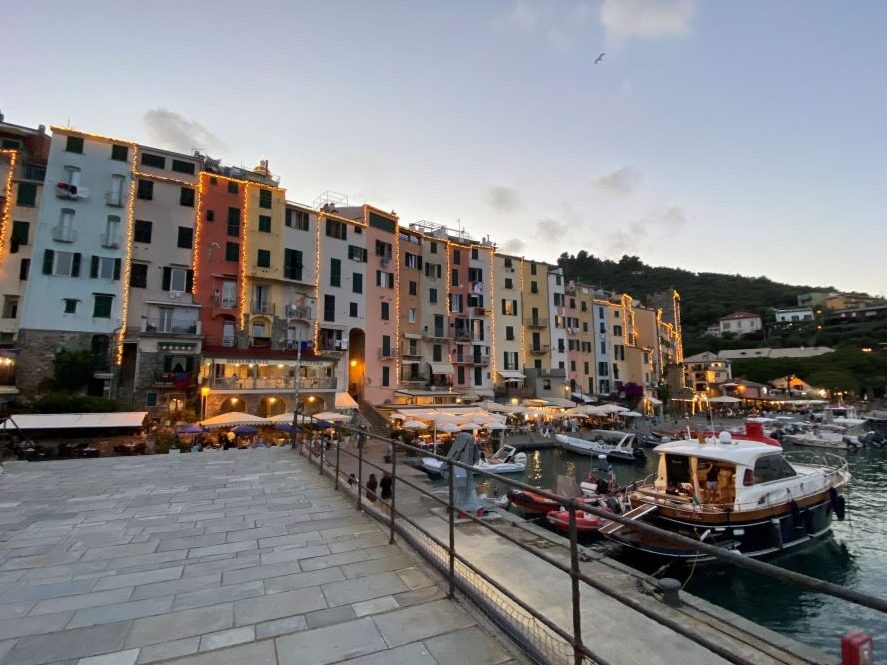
451	510
393	494
359	472
322	448
574	579
338	446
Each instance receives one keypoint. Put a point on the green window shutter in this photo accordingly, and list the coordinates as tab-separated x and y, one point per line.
75	265
167	363
166	278
94	267
48	256
189	281
116	268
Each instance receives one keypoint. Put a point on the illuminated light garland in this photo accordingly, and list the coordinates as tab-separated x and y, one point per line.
7	201
244	223
198	235
492	317
317	218
163	178
659	328
127	262
396	305
520	312
94	136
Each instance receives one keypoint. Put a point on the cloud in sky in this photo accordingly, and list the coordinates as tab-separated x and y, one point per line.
621	182
638	233
502	199
649	19
513	246
562	23
168	129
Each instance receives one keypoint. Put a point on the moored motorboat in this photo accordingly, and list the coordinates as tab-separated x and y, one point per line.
505	460
742	495
614	445
585	522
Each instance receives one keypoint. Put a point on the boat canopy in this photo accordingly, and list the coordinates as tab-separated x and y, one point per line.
739	452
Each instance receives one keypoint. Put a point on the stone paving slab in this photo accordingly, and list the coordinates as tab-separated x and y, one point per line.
207	559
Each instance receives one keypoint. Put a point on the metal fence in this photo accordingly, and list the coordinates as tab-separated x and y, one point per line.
541	638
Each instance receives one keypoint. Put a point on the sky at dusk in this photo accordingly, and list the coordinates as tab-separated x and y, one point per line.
738	137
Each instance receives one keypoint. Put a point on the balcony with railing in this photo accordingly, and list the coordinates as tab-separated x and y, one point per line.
64	190
64	234
262	307
462	335
480	360
536	322
540	348
177	380
386	354
407	352
283	383
224	303
436	333
34	172
170	326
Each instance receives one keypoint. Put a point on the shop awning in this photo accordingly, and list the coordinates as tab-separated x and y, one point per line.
133	419
246	360
344	401
409	362
511	375
442	368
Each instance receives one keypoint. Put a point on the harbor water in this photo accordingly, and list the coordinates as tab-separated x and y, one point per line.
854	555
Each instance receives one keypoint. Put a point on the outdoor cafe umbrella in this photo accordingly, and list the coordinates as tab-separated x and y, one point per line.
415	425
286	417
244	429
232	419
724	399
331	416
630	414
193	428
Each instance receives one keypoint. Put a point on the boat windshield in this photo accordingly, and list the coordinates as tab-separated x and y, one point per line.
708	481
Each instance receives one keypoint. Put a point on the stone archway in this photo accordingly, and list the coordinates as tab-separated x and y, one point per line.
311	404
230	404
270	406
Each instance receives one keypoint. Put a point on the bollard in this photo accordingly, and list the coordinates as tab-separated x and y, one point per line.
669	587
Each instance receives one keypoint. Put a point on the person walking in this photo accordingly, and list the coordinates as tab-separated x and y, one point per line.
386	486
372	484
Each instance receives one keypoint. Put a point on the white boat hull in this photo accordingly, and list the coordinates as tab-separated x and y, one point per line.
812	441
506	467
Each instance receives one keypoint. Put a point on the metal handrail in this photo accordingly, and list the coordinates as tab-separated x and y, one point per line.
580	651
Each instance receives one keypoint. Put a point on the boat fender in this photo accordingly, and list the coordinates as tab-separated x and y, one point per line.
838	503
796	512
613	505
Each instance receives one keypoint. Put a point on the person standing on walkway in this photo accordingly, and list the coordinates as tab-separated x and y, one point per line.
386	486
372	484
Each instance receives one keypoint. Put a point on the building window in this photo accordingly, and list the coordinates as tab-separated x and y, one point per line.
186	197
263	258
411	315
74	144
336	229
436	353
509	333
19	236
228	297
509	283
101	308
232	251
385	311
432	296
457	257
210	215
104	267
63	264
352	310
10	307
474	253
384	280
534	287
454	277
138	275
532	267
412	261
329	308
432	247
292	264
177	280
142	231
154	161
357	283
145	190
182	167
356	253
232	187
335	272
414	288
297	219
27	195
264	224
120	153
383	249
265	198
234	222
186	237
70	305
24	268
386	376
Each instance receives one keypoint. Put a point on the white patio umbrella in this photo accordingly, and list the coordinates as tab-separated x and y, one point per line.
233	419
607	409
630	414
331	416
448	427
286	417
724	399
495	426
415	425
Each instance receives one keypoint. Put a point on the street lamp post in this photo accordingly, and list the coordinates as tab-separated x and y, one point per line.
204	393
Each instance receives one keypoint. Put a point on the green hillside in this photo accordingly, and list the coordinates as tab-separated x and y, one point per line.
705	296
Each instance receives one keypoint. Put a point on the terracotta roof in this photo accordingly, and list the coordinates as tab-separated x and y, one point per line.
740	315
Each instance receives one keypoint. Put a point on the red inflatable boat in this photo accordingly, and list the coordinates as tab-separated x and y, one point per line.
530	502
585	522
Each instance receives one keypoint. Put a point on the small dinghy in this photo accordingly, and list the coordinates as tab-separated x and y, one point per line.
530	502
585	522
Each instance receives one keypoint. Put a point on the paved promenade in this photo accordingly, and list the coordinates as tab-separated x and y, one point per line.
236	557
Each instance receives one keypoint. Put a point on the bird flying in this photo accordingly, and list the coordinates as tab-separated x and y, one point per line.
599	59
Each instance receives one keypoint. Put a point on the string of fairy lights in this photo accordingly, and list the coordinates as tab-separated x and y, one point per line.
492	310
127	261
12	155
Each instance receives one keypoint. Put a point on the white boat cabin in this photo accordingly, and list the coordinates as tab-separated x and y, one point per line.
739	475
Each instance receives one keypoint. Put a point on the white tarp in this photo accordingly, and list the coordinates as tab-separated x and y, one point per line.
345	401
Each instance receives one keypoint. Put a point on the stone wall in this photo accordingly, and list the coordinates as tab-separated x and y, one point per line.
37	353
